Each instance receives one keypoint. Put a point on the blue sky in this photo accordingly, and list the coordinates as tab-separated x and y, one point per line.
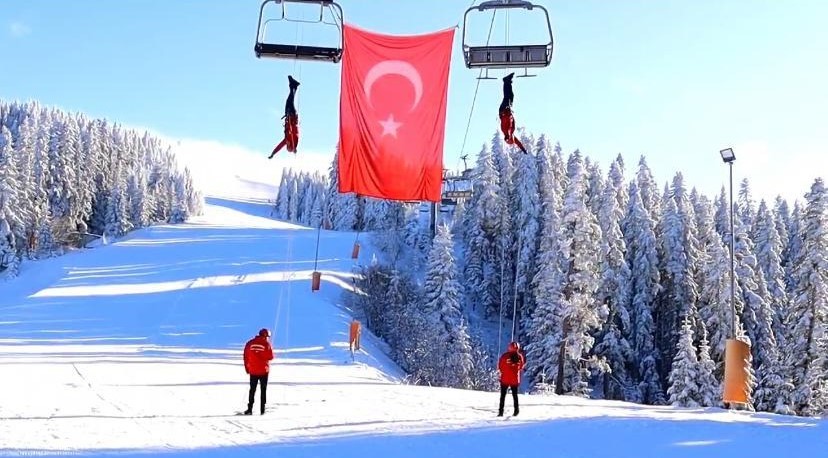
674	80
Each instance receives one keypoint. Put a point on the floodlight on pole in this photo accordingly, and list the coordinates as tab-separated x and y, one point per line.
727	155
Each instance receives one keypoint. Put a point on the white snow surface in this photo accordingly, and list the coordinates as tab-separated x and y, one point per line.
134	349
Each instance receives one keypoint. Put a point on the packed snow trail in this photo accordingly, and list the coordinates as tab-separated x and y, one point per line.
135	348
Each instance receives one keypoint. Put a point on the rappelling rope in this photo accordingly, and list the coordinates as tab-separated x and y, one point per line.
286	277
298	38
517	272
290	286
500	309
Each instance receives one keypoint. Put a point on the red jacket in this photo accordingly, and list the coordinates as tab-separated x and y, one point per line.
257	355
510	371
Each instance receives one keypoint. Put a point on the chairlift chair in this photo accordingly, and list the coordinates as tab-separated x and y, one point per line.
297	51
508	56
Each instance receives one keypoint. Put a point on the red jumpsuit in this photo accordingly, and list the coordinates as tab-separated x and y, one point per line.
291	140
507	126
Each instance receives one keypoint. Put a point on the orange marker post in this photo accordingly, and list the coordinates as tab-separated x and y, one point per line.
356	330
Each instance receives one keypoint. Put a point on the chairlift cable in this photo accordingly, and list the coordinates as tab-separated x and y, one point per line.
477	87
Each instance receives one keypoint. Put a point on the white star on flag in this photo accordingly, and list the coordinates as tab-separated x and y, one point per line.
390	126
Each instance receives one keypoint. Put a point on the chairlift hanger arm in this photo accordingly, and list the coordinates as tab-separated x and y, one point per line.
504	4
507	56
296	51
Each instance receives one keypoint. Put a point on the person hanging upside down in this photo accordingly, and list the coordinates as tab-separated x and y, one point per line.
291	117
507	120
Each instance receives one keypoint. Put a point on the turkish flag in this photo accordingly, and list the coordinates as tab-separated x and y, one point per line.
392	114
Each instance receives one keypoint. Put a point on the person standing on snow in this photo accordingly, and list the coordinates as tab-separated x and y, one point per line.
510	364
257	356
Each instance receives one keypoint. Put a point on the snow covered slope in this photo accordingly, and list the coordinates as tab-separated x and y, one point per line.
134	348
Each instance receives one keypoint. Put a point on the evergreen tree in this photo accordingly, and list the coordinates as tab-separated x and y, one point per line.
9	205
293	199
65	170
679	246
792	250
710	391
756	314
484	217
595	185
340	209
715	297
283	196
543	321
768	249
502	235
580	314
745	206
809	305
614	293
441	305
648	188
527	210
28	189
616	178
722	216
645	286
782	220
684	374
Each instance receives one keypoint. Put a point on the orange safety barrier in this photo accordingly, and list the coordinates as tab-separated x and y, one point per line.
737	360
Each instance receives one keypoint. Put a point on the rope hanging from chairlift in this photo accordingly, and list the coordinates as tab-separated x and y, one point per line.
476	88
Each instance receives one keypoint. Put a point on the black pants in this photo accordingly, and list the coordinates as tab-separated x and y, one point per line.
257	380
290	109
508	95
503	389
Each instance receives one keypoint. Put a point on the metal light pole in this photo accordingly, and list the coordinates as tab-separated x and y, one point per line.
728	157
737	351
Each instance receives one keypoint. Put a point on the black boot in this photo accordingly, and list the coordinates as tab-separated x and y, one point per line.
509	77
248	411
516	411
292	82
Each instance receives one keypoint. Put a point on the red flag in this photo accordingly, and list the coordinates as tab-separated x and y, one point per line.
392	114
